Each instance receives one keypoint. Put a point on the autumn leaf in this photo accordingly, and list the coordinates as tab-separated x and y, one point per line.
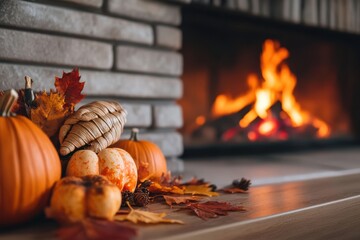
212	209
157	188
238	186
93	229
195	181
170	200
232	190
139	216
50	113
168	180
70	87
204	189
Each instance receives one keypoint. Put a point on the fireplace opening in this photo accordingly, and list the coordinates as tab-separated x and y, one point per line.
252	83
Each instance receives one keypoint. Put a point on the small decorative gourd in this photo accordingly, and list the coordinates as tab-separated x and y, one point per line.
29	165
148	157
114	163
75	199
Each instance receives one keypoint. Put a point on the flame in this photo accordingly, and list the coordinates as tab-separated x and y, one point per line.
225	105
277	86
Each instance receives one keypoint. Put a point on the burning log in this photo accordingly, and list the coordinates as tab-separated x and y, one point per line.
213	130
277	127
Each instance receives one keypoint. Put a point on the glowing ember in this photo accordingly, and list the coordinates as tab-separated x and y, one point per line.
200	120
277	86
267	127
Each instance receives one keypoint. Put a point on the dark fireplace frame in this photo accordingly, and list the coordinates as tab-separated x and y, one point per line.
197	17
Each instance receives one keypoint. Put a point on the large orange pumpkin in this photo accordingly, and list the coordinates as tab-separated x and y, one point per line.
149	159
29	166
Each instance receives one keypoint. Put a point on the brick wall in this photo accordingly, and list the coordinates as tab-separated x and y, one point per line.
126	50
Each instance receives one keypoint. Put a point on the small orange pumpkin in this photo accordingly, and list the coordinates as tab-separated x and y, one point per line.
29	165
74	199
114	163
149	159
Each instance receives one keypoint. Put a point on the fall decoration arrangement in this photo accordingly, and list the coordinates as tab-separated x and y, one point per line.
102	174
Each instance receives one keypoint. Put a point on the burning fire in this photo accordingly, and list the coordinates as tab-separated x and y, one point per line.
277	87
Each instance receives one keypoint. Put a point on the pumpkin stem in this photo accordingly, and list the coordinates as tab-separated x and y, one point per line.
29	93
134	134
7	102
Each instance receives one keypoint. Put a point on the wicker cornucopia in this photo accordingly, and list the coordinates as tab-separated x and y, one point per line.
94	126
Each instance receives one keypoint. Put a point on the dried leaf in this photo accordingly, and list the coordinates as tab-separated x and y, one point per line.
195	181
238	186
139	216
168	180
243	184
170	200
212	209
70	87
204	189
233	190
96	230
49	114
157	188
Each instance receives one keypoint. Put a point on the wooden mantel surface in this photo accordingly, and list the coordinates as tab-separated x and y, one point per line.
327	208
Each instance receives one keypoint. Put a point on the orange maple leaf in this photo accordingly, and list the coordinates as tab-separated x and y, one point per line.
157	188
70	86
50	112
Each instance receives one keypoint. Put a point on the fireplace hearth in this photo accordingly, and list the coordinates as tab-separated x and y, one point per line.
235	96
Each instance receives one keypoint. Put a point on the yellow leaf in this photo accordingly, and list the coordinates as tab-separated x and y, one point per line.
50	113
204	189
139	216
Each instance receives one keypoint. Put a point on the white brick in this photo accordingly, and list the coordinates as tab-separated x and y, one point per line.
41	48
147	60
167	116
131	85
139	115
169	37
171	143
102	84
146	10
38	16
90	3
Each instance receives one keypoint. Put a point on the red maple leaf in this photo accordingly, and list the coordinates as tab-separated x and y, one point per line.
212	209
70	86
93	229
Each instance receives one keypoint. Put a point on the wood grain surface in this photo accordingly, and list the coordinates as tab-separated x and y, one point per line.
326	208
